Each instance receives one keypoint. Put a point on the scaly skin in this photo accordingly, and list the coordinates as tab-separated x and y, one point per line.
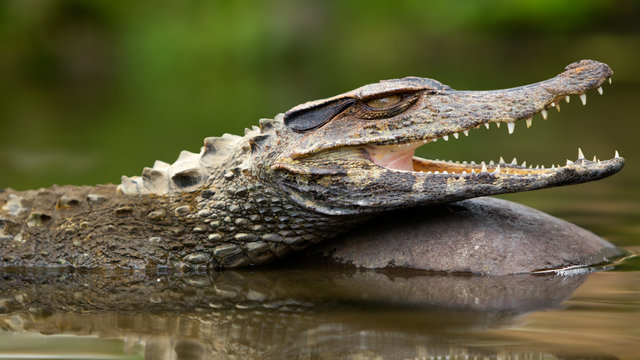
303	177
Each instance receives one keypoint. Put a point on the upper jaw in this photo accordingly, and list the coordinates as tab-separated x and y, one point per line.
460	112
444	113
397	155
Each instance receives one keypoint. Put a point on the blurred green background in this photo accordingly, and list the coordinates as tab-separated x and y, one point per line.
91	90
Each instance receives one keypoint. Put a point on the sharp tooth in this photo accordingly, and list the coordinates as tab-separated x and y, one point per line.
542	167
594	158
486	125
445	172
429	172
553	104
455	135
524	164
464	163
580	154
473	171
497	170
553	166
609	81
583	98
434	140
511	126
537	167
558	107
501	160
484	167
464	172
567	98
544	114
600	90
446	138
569	162
437	172
498	125
466	132
491	162
473	163
617	155
514	161
529	122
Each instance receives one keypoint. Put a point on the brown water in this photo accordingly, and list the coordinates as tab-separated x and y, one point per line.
333	314
339	313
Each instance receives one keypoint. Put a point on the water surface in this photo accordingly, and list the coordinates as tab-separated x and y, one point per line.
329	313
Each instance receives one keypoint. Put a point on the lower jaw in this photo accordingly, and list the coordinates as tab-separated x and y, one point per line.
425	166
401	157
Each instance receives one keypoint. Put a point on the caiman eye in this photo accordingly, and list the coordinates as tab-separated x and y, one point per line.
385	102
388	106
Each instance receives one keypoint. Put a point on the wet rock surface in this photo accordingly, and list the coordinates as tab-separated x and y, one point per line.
482	236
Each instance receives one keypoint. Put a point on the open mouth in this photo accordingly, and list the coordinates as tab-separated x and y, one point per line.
400	157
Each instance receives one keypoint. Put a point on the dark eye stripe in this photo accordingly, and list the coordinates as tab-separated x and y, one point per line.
379	107
313	118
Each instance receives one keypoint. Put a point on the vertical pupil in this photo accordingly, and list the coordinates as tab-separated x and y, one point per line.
384	102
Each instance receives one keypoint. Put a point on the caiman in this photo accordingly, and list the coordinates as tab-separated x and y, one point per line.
305	176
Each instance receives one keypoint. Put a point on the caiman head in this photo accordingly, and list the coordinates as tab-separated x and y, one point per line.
354	153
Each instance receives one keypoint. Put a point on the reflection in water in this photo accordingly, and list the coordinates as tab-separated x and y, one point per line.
335	313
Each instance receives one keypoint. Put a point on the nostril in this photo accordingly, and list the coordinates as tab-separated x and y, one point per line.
596	68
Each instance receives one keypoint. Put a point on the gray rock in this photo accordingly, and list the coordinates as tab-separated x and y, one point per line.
483	236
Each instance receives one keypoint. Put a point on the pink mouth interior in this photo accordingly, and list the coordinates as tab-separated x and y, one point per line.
396	157
401	158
